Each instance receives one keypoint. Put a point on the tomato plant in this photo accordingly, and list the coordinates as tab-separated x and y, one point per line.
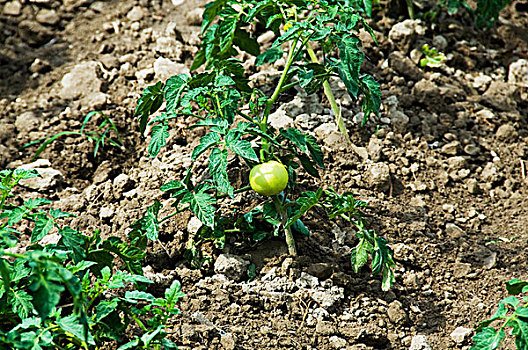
235	115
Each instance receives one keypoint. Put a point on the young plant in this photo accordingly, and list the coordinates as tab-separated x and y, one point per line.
486	13
512	313
101	134
69	294
433	58
235	115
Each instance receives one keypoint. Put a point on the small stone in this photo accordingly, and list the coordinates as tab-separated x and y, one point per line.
279	119
136	14
419	342
375	148
460	334
320	270
337	343
94	100
471	149
106	212
518	73
195	17
506	132
122	183
490	261
194	225
450	148
399	121
231	266
456	162
228	341
146	74
13	8
49	17
454	231
325	328
26	122
40	66
34	33
378	176
48	179
164	68
473	186
403	33
109	61
85	72
440	42
307	281
396	313
481	82
461	270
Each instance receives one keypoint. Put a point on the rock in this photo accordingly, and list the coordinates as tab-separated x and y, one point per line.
164	68
106	212
136	14
378	176
396	313
325	328
454	231
320	270
194	17
404	66
490	261
34	33
231	266
490	173
26	122
228	341
13	8
402	34
506	132
461	270
499	95
481	82
122	183
102	173
473	186
146	74
471	149
440	42
109	61
399	121
518	73
94	100
40	66
456	163
460	334
327	298
49	177
426	92
450	148
279	119
375	149
169	46
419	342
307	281
81	81
49	17
337	343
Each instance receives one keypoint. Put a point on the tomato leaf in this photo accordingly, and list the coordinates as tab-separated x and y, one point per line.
209	140
218	169
201	205
149	102
304	203
173	91
160	134
43	225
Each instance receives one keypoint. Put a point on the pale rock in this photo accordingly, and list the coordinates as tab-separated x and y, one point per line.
164	68
26	122
450	148
106	212
375	149
328	298
518	73
195	17
461	270
94	100
440	42
337	343
231	266
460	334
46	16
506	132
399	121
403	33
481	82
136	14
40	66
473	186
194	225
168	46
228	341
48	179
307	281
419	342
13	8
279	119
82	80
454	231
122	182
378	176
396	313
456	162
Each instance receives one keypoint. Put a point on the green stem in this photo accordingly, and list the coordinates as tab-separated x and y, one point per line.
283	213
410	8
330	96
240	190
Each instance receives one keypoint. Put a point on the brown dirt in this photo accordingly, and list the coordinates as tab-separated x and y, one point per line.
454	207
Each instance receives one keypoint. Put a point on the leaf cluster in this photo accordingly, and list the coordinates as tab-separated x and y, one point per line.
69	294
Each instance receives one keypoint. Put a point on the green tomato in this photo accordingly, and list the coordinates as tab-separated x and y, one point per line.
268	178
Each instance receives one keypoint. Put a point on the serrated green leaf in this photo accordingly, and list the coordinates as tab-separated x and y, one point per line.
269	56
209	140
149	222
515	286
522	312
105	308
520	330
240	147
20	302
174	293
351	58
74	241
360	254
47	290
218	170
75	326
200	205
58	214
511	301
226	32
305	202
245	42
150	101
135	296
160	134
14	215
487	339
173	91
223	80
43	225
372	99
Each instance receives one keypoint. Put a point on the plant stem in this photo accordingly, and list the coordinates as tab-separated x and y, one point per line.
290	242
329	95
410	8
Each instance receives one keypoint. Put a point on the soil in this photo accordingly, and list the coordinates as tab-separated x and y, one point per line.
444	170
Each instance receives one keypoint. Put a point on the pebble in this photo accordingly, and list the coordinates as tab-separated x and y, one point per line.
46	16
460	334
396	313
40	66
232	266
164	68
454	231
506	132
419	342
450	148
136	14
85	72
378	176
473	186
13	8
26	122
518	73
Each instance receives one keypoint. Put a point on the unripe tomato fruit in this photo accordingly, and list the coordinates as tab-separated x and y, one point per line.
268	178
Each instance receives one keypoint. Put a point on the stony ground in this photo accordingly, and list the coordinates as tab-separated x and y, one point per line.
444	171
